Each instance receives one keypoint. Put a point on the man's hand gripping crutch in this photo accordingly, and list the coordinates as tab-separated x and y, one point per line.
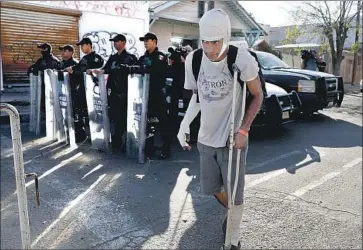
232	195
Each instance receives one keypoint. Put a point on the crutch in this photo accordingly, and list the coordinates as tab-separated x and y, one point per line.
231	197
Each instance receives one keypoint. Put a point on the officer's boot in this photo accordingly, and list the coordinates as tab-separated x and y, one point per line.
149	147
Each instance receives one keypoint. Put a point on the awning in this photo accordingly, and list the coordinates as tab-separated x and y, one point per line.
300	45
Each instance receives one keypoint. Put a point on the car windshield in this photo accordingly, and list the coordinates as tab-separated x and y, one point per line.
270	61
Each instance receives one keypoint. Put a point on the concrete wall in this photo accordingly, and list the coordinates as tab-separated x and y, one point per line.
101	20
101	31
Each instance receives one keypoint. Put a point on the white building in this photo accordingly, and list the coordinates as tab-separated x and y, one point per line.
177	21
26	24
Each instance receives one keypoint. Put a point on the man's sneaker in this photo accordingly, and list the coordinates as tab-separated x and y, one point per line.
164	156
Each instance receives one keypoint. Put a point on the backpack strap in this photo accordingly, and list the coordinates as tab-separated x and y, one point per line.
196	63
231	58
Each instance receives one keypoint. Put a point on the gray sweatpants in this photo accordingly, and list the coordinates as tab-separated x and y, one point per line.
214	169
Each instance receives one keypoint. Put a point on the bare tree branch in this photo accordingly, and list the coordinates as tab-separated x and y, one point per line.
328	10
330	20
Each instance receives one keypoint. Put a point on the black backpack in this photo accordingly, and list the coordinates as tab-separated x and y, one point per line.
231	58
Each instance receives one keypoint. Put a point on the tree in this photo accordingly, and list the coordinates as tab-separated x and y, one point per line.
355	46
331	19
291	35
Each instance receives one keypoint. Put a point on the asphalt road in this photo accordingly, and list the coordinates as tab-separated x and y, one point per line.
303	190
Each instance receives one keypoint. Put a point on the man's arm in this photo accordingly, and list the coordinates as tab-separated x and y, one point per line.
249	68
34	68
256	92
184	131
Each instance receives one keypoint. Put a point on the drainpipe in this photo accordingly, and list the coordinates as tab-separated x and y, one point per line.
201	8
1	73
210	5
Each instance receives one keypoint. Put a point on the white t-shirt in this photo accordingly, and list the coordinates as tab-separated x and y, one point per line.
215	90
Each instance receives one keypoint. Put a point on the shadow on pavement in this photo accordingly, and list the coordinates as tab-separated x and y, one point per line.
301	139
98	200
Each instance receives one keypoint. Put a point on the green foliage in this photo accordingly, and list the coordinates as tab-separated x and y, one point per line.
354	48
291	34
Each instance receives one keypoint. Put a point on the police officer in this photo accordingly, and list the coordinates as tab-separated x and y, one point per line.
177	73
46	61
91	60
117	85
157	64
67	57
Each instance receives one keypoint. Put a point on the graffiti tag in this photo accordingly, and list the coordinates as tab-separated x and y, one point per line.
136	9
104	47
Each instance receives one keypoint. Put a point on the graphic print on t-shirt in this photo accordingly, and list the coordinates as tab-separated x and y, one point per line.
215	87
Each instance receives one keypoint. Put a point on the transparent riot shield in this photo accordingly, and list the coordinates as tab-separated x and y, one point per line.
50	119
97	105
137	98
35	99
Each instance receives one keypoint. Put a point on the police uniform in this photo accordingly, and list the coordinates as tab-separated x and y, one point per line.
117	86
47	61
89	61
177	73
70	62
156	63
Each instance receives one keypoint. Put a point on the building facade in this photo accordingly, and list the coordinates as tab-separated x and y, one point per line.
176	22
26	24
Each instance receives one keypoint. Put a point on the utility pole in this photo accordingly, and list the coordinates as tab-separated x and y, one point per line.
201	8
361	9
210	5
356	41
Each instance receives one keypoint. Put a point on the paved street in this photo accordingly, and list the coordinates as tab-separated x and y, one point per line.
303	190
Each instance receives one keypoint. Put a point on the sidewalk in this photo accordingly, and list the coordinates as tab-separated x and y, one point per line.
19	98
94	200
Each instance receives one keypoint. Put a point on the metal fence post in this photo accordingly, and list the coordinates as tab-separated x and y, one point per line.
19	172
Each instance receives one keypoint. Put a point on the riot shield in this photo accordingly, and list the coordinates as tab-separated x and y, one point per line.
65	104
50	119
60	122
35	98
97	105
137	98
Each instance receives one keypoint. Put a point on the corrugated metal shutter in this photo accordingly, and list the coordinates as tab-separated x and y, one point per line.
25	26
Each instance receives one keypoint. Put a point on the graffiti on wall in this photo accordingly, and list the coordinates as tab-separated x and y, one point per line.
22	52
136	9
27	52
104	47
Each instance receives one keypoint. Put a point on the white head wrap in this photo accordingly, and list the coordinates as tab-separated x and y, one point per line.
215	25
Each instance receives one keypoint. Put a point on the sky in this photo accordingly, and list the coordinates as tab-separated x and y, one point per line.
274	13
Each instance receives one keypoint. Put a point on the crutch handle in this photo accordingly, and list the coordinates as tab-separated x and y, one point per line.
235	68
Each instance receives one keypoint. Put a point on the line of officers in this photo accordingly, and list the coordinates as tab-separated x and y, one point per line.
118	67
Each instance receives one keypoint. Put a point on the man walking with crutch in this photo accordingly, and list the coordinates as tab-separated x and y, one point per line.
209	73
